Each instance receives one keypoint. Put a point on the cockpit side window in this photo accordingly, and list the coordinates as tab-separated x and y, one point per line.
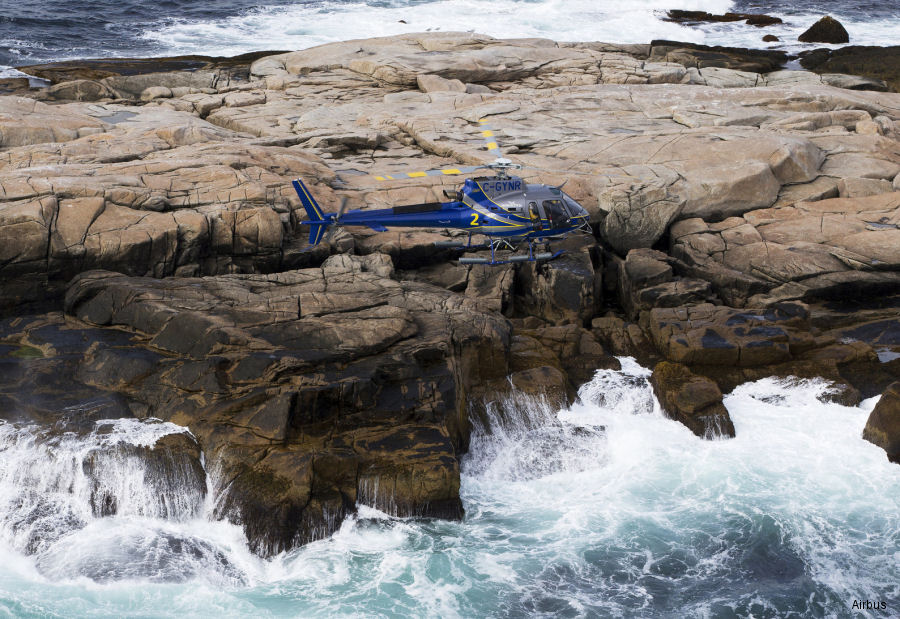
535	216
556	212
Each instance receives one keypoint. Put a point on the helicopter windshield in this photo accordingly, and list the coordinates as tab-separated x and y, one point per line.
556	212
574	209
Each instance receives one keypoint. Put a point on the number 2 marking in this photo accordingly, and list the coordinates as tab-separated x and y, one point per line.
474	219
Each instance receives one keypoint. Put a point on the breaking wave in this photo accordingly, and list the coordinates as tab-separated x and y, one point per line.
607	508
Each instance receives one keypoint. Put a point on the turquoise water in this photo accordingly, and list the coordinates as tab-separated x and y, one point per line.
607	509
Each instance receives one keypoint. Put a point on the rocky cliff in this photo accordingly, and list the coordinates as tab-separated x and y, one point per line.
153	258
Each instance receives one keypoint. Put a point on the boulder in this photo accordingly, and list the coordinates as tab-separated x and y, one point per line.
81	90
826	30
624	339
694	401
156	92
883	426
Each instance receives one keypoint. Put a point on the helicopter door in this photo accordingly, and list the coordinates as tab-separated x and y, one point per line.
556	213
536	220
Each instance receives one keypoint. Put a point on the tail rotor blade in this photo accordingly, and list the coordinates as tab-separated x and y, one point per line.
336	222
341	209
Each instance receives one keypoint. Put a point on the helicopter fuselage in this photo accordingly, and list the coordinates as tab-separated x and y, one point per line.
497	206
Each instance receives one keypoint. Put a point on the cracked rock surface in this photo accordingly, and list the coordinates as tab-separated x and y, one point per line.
153	260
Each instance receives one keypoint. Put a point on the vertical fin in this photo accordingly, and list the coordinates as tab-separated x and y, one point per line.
317	221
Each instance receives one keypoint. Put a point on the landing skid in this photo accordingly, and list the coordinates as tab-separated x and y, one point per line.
500	244
513	259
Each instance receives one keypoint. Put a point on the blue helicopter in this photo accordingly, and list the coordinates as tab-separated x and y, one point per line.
503	207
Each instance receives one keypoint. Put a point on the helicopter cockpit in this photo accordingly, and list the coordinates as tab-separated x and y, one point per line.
550	212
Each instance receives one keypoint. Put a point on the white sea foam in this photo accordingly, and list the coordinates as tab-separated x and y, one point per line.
304	25
299	26
624	512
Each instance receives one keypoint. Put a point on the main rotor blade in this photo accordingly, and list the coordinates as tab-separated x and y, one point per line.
490	142
439	172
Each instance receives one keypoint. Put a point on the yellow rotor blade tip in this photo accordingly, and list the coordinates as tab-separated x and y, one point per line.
416	174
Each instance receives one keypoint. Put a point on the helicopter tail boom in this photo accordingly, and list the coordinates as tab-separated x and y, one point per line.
317	222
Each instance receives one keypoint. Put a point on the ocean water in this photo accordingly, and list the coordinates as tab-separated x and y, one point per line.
34	31
605	509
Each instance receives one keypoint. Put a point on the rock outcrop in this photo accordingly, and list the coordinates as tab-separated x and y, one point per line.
693	17
310	391
881	63
744	223
883	426
692	400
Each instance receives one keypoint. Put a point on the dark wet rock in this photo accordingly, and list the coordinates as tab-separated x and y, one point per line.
172	469
317	379
99	68
701	56
14	85
693	400
826	30
310	390
624	338
880	63
770	38
578	352
883	426
546	381
694	17
561	291
709	335
647	280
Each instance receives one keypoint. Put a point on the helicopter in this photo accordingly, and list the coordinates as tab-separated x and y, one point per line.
501	206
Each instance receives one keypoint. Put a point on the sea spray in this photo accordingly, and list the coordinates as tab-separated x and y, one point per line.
53	481
607	508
